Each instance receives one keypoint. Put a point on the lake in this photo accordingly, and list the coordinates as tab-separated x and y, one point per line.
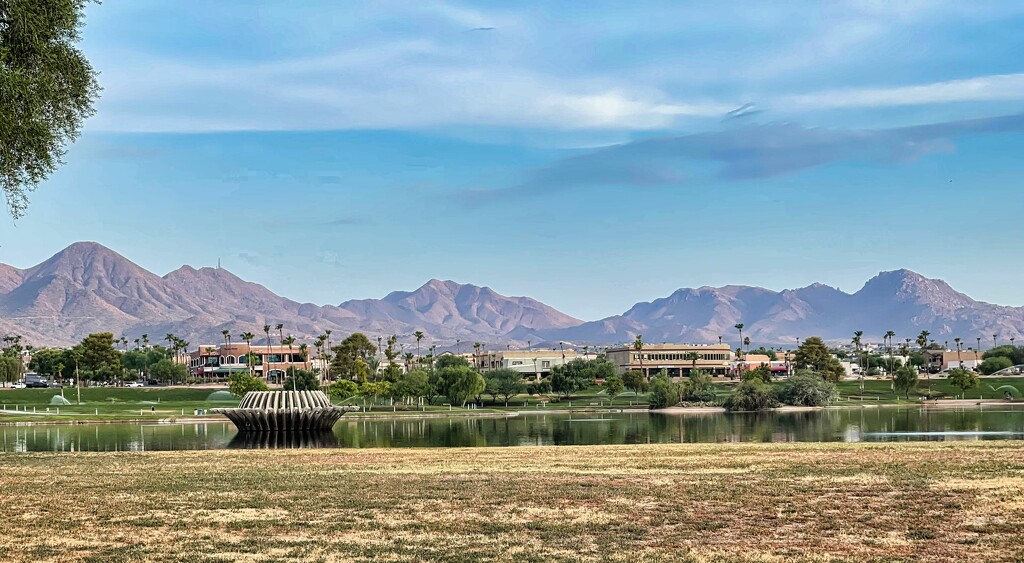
993	422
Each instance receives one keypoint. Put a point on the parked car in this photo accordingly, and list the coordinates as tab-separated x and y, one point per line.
134	384
18	385
36	385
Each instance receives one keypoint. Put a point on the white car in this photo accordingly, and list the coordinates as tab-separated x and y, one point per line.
18	385
134	384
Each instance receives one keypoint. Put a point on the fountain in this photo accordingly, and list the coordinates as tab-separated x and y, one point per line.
284	411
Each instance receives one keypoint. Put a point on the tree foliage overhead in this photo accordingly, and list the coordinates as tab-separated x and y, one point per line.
47	90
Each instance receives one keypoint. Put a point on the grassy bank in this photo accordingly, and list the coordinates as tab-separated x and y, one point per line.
108	403
924	501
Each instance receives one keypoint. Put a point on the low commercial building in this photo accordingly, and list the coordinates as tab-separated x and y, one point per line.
679	360
531	363
944	360
269	362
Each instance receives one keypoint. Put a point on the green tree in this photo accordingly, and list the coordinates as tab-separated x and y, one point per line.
450	360
505	383
963	379
765	352
460	383
905	380
1014	353
699	388
614	385
814	355
375	389
240	383
11	369
807	389
752	395
46	362
343	389
993	364
760	373
300	380
634	381
47	91
99	357
353	349
664	393
413	385
571	377
166	371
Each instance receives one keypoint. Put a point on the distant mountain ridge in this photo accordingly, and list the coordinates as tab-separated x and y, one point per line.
88	287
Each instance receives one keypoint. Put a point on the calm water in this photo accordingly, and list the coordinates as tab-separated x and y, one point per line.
994	422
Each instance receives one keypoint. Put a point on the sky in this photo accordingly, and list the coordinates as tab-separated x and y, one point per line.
587	155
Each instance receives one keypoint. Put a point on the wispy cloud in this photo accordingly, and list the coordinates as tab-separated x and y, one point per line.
748	152
978	89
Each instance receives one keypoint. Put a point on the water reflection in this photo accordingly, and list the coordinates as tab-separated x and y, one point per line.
846	425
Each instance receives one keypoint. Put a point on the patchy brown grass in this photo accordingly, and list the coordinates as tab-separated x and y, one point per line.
721	502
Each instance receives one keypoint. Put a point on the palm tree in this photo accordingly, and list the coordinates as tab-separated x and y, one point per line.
638	345
266	330
476	353
958	358
327	366
995	341
889	336
746	342
280	333
979	345
719	338
1012	338
857	334
739	327
247	337
409	357
458	346
693	357
145	341
136	344
419	336
303	349
288	342
586	352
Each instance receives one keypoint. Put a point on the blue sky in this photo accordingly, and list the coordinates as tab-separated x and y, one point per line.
588	155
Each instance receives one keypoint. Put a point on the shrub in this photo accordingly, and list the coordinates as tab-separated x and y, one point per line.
240	383
807	389
343	389
752	395
760	373
994	364
300	380
699	388
664	393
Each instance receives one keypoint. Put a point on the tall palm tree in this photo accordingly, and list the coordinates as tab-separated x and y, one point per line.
638	345
408	357
586	352
693	357
979	345
995	341
288	342
303	351
247	337
280	333
746	342
958	358
266	330
857	335
1012	338
458	346
889	336
327	366
169	337
739	327
476	353
136	344
419	336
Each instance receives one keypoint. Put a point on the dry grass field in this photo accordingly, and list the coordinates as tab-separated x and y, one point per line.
730	502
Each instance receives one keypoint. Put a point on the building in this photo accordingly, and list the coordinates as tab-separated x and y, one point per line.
531	363
269	362
677	359
944	360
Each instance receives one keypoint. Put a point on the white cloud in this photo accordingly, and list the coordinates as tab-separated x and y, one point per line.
998	87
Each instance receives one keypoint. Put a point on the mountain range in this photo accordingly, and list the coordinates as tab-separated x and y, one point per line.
89	288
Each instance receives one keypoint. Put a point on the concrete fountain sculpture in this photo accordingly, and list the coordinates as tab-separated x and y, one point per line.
285	411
